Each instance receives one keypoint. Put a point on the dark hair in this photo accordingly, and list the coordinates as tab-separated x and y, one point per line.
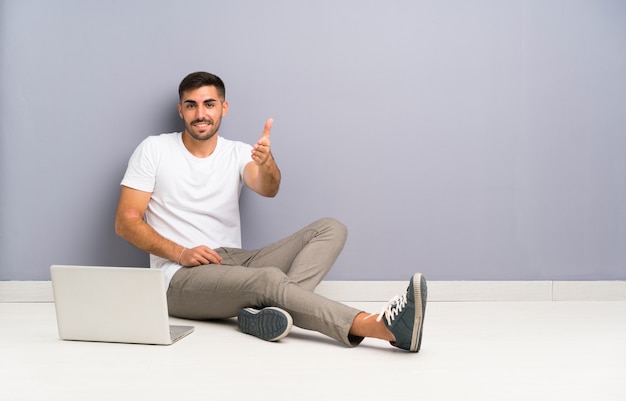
197	80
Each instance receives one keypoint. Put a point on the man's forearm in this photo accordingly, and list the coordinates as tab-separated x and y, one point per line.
269	178
144	237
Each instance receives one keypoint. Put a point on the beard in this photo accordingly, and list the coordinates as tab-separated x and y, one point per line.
209	131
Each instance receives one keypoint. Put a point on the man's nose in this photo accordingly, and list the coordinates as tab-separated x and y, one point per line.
200	112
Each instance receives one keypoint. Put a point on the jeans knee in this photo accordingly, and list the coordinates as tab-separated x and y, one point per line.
270	277
336	227
269	285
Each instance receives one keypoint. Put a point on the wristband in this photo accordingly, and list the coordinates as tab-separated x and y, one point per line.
181	254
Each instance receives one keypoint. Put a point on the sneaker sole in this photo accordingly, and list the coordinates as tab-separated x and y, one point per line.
269	324
420	294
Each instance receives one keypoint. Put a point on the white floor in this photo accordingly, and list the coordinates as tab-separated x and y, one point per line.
471	351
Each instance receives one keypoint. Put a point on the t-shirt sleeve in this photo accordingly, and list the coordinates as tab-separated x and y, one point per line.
244	156
141	171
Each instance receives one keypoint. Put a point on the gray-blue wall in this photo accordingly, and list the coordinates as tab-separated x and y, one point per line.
464	139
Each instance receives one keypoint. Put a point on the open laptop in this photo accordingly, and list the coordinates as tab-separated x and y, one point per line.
113	304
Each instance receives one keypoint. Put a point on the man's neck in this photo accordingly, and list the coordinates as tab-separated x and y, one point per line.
200	149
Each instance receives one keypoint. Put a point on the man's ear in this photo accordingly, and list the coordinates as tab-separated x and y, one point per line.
224	108
180	110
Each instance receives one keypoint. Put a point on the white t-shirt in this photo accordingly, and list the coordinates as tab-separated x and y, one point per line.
195	201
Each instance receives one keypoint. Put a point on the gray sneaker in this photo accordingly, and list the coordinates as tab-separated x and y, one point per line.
269	324
404	315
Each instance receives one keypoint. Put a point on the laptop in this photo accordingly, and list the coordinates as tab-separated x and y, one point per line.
113	304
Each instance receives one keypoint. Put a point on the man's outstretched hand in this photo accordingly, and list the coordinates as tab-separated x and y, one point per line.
261	150
262	174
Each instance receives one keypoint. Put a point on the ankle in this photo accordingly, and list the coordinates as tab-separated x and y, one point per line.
366	325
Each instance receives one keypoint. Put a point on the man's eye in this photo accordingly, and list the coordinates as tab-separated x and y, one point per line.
190	106
210	105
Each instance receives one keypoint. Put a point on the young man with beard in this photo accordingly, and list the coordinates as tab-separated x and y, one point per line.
179	202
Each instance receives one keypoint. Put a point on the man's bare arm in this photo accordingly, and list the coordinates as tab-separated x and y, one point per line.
130	225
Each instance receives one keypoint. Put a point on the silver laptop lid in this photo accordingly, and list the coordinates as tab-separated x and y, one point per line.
111	304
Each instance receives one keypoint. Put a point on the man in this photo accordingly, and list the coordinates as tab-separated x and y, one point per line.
179	202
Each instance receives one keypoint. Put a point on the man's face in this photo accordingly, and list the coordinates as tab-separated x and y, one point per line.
202	110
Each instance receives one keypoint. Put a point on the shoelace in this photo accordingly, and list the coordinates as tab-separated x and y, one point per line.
391	310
